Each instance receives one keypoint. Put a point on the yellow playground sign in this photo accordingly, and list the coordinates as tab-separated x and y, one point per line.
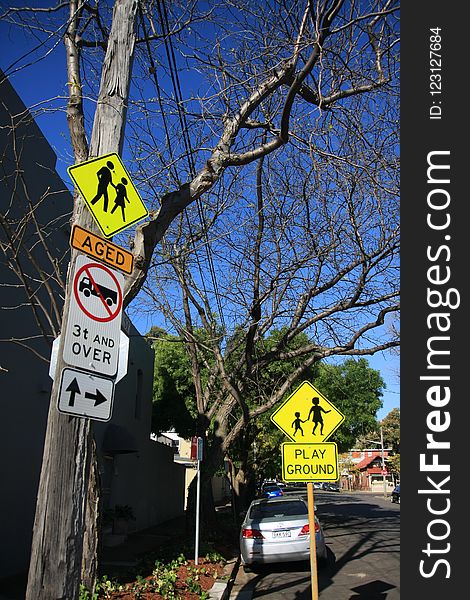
310	462
109	193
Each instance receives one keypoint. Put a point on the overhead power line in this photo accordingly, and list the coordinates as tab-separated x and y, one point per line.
173	68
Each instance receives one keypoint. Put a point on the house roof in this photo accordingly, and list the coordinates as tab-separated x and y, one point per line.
366	461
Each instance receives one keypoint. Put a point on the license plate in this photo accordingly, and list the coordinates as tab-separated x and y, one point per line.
281	534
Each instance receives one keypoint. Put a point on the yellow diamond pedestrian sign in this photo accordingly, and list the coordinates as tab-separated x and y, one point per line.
307	416
109	193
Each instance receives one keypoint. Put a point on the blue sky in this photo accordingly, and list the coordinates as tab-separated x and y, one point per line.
43	88
388	365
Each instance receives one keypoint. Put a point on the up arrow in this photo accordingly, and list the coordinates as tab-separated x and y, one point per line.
73	388
97	397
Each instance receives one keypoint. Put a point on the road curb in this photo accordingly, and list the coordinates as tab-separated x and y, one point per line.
222	588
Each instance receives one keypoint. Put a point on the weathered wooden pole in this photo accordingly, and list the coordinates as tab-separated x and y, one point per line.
313	541
63	514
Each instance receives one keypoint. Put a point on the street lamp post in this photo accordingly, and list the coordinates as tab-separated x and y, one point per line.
381	442
383	461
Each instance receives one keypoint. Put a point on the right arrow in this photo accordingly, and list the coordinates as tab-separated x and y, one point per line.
73	389
97	397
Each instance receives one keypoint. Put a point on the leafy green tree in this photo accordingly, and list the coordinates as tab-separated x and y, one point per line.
267	450
173	389
393	464
391	430
356	390
353	387
175	404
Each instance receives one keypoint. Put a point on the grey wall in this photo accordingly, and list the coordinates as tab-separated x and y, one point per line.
24	381
147	479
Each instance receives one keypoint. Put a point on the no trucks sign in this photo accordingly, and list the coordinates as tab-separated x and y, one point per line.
94	319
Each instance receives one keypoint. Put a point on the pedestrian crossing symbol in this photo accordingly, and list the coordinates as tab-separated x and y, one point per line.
307	416
109	193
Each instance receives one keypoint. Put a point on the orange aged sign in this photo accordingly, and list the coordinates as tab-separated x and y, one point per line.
102	249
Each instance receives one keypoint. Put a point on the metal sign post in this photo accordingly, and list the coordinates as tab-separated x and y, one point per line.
313	541
196	448
198	499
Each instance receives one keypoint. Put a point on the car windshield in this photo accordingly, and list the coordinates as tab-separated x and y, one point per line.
278	509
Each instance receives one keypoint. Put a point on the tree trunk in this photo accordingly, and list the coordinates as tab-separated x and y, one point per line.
244	484
64	511
56	554
243	495
92	523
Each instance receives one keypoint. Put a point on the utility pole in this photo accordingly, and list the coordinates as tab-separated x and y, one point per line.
383	461
382	454
68	460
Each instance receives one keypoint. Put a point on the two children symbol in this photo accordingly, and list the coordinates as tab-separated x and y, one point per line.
316	413
105	179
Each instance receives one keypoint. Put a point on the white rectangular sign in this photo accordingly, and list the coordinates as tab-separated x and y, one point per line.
86	395
94	318
122	362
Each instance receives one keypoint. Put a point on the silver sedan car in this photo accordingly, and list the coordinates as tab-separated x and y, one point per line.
277	530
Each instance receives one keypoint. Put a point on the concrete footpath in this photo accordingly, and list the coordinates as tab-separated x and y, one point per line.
243	585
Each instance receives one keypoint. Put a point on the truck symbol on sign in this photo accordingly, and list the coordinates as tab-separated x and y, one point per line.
87	288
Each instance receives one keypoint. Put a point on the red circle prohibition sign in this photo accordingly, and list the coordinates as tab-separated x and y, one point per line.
88	286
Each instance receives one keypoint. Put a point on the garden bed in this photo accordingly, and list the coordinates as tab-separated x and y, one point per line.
180	579
161	569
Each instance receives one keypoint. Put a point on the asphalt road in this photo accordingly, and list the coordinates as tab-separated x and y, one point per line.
362	532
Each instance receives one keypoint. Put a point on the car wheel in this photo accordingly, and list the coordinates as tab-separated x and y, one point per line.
322	560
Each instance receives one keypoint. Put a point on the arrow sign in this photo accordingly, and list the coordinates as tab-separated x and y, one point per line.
97	397
73	388
77	388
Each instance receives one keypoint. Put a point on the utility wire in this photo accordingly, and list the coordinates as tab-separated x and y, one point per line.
163	16
153	71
